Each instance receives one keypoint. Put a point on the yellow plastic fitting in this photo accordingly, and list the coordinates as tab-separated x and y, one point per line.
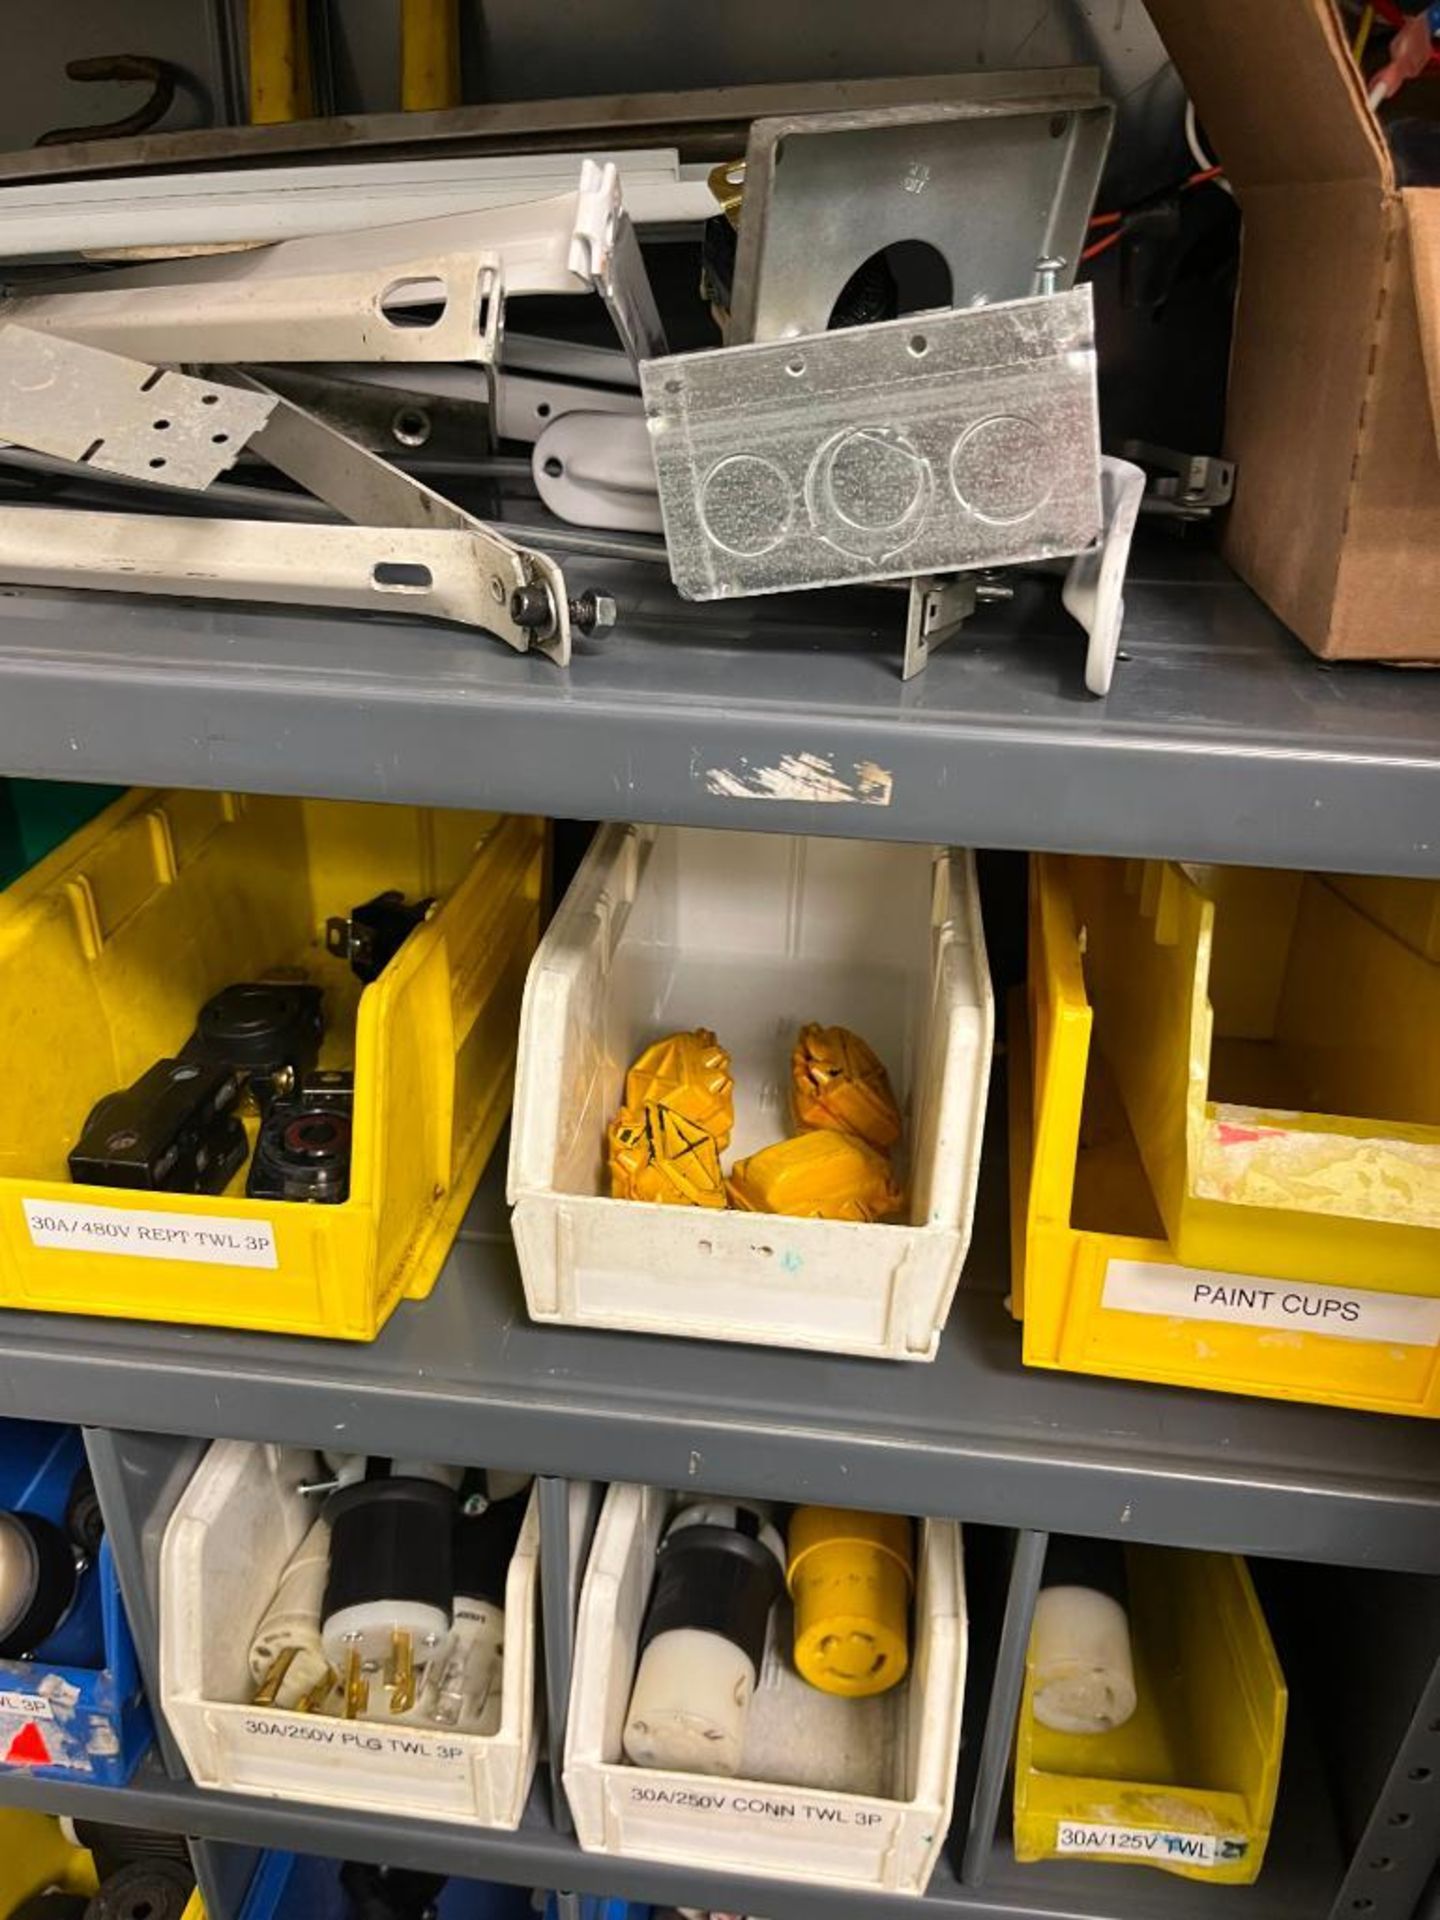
850	1576
816	1176
657	1154
838	1080
690	1074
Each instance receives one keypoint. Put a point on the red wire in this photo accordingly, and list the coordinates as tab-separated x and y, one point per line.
1098	247
1116	219
1396	16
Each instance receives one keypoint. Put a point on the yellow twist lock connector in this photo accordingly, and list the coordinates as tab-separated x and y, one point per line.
850	1576
838	1080
690	1074
816	1176
657	1154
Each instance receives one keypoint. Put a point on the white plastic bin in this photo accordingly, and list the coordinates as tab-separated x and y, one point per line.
878	1774
237	1523
752	934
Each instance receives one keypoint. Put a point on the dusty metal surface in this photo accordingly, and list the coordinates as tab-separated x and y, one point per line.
704	123
994	186
928	444
120	415
408	551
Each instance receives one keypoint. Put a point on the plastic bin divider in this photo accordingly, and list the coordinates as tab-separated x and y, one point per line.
1007	1684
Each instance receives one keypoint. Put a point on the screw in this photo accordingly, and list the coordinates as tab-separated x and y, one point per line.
532	607
1047	273
590	610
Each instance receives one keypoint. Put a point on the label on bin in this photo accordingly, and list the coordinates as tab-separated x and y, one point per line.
771	1803
212	1240
1146	1843
1244	1300
358	1741
30	1706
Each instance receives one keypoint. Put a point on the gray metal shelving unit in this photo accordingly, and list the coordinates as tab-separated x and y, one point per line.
465	1375
1307	1862
1222	740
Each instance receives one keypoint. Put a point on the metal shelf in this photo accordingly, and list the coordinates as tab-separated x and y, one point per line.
466	1376
1301	1873
1223	738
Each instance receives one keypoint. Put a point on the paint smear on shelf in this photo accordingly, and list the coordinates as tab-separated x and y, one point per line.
804	777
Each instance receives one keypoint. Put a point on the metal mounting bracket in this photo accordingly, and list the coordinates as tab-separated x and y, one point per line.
932	444
119	415
994	186
605	251
408	551
1094	590
424	290
938	608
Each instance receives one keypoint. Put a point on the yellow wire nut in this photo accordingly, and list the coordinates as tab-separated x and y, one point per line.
838	1080
657	1154
850	1576
690	1074
816	1176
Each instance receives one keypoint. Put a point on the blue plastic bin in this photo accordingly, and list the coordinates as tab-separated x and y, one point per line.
75	1707
298	1886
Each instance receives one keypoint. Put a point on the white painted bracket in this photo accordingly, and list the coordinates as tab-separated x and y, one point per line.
605	252
422	290
1094	587
527	405
596	470
118	415
938	608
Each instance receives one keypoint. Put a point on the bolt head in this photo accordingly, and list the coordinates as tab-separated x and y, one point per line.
605	610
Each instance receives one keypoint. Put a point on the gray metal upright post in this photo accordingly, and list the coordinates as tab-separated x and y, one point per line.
1399	1849
558	1633
139	1478
223	1871
1005	1690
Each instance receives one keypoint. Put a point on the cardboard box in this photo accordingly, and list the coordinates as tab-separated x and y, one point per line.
1335	374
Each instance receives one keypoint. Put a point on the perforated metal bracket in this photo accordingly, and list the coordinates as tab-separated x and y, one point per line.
933	444
119	415
408	551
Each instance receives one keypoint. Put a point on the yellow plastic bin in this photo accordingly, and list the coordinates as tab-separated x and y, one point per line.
35	1855
109	948
1188	1783
1277	1049
1277	1297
